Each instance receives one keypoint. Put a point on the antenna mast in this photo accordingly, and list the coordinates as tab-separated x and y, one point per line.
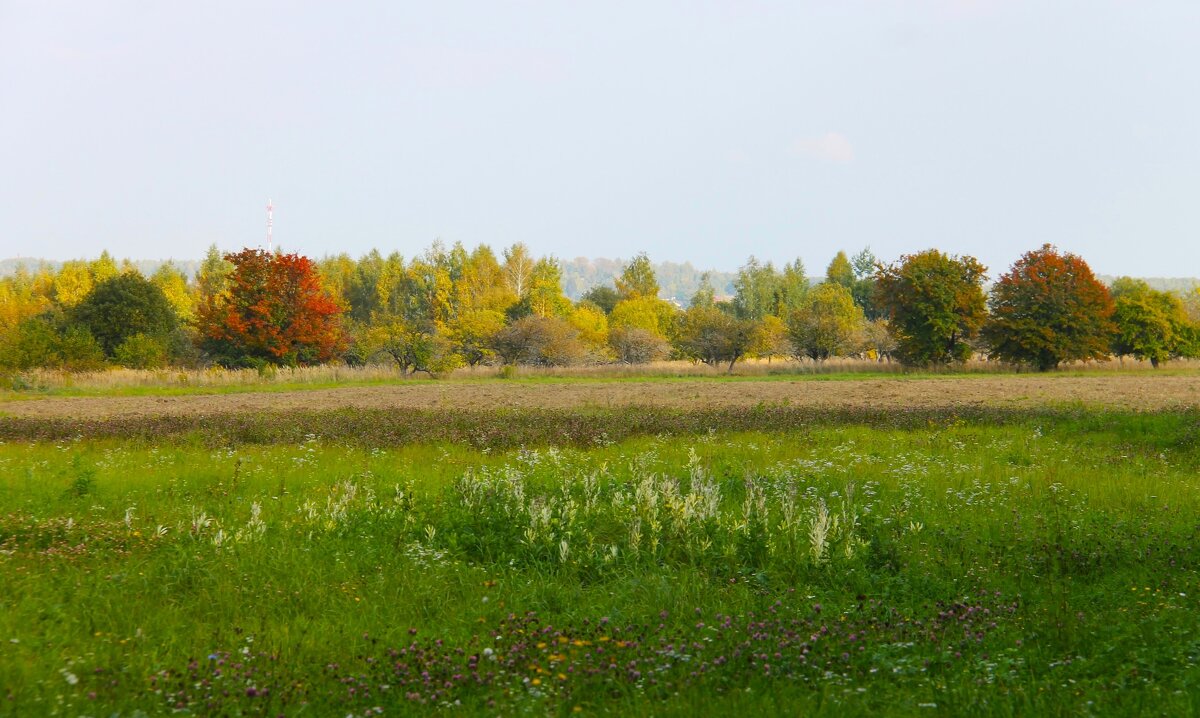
270	223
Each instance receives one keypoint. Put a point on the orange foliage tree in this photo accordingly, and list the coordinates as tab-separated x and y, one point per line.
274	310
1048	309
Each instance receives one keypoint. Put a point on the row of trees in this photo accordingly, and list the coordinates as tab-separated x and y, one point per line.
449	307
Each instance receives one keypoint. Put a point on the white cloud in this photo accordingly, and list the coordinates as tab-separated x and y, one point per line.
831	147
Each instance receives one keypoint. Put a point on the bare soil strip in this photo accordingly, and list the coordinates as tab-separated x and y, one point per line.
1132	392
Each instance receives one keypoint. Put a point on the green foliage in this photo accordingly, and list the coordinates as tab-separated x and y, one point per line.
759	290
934	304
212	281
543	293
602	296
141	351
793	285
123	306
1150	324
705	295
1049	309
828	323
840	271
637	279
865	264
413	347
714	337
49	341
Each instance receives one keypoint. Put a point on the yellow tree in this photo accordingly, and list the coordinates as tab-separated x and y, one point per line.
174	285
592	324
72	283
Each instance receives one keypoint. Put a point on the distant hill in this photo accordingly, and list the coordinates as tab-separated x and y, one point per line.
9	267
675	281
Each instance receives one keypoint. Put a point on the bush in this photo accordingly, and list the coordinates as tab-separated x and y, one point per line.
46	341
141	351
634	345
124	306
540	341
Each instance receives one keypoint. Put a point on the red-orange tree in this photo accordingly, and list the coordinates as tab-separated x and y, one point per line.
1048	309
274	310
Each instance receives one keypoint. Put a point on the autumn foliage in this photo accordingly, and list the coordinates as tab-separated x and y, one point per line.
935	305
1049	309
273	309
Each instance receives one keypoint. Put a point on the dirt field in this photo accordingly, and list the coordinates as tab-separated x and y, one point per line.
1138	391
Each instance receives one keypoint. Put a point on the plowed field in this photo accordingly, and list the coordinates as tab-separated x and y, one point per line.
1140	391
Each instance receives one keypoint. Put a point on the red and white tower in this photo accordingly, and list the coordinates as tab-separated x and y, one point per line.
270	223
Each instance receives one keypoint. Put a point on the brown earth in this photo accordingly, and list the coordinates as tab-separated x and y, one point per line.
1140	391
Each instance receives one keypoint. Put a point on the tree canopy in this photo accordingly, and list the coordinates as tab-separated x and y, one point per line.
637	279
1047	309
275	310
827	323
934	303
123	306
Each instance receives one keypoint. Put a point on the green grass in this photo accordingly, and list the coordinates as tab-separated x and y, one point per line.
1046	566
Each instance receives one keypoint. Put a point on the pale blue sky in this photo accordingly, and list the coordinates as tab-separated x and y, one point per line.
701	130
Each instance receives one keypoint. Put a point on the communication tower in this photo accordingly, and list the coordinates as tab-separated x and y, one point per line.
270	223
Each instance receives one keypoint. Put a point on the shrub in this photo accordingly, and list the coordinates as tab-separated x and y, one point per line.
141	351
634	345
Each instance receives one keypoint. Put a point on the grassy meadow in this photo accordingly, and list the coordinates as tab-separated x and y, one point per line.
1040	564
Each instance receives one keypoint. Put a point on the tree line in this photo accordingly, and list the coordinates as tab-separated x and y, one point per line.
449	307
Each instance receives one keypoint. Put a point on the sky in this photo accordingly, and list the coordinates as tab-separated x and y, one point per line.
699	131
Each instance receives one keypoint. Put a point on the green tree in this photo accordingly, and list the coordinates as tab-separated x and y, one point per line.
714	337
125	305
840	271
1150	324
637	279
1047	309
758	290
544	294
213	278
705	295
864	264
413	347
934	304
827	324
793	285
602	296
141	351
50	341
